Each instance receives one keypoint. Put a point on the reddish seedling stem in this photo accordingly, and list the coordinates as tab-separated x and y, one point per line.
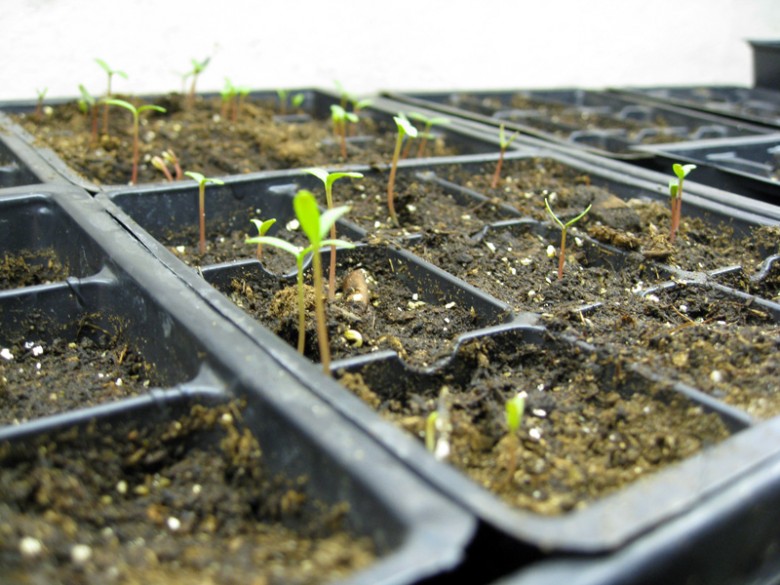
391	180
202	216
497	174
562	257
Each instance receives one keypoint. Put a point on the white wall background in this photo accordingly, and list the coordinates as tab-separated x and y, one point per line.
369	45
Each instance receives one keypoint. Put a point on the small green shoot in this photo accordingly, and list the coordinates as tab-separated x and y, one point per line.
514	408
328	179
503	145
315	226
262	229
161	165
295	101
426	131
405	128
340	117
227	95
438	427
197	69
88	105
676	193
202	182
110	72
136	125
41	93
564	228
170	158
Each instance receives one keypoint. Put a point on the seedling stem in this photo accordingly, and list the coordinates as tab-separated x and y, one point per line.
328	179
676	193
110	72
202	182
136	126
564	228
404	127
503	145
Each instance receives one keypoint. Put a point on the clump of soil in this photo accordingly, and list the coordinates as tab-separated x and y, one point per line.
723	345
43	373
418	323
206	140
588	429
31	267
185	501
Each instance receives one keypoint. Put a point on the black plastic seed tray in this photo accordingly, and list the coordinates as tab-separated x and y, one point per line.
755	105
594	121
47	166
748	165
196	356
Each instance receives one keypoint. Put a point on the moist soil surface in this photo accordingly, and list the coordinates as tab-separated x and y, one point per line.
29	268
186	501
43	373
589	427
418	322
206	140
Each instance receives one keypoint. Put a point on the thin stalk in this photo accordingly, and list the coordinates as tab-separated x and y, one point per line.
391	180
136	148
301	307
562	257
319	310
202	214
497	174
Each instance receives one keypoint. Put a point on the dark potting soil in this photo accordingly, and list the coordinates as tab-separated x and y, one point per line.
29	268
206	140
394	317
43	373
589	427
186	501
725	346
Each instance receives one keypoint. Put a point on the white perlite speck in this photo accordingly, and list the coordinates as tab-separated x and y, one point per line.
6	354
30	547
80	553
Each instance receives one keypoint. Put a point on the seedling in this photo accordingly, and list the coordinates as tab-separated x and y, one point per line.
39	104
262	229
295	101
328	179
514	409
426	131
88	105
676	193
228	94
197	69
202	182
405	128
315	226
136	125
564	228
503	145
340	118
438	427
170	157
160	165
110	72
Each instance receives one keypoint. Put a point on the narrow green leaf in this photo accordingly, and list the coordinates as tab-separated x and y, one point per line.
330	217
308	215
277	243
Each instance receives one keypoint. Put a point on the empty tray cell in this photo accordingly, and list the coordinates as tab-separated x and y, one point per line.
41	243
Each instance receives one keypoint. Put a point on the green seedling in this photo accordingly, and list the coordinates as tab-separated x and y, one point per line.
262	229
39	104
676	193
202	182
514	408
88	105
136	126
328	179
438	427
243	91
503	145
197	69
315	226
340	117
428	123
227	95
110	72
564	228
405	128
295	101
